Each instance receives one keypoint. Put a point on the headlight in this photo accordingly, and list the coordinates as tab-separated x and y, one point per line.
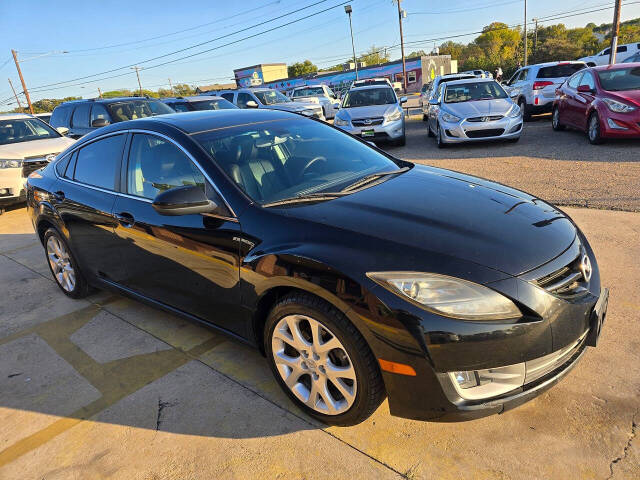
448	296
618	107
397	115
339	122
308	113
447	117
10	163
514	112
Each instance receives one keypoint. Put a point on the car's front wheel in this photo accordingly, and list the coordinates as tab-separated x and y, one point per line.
63	265
322	361
526	114
439	141
593	130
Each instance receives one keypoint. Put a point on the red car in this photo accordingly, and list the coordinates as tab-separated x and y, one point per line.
602	101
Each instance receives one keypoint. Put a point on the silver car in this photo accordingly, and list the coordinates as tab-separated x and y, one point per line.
533	87
471	111
429	90
269	98
318	93
374	113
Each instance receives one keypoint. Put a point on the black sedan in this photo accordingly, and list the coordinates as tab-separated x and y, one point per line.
357	274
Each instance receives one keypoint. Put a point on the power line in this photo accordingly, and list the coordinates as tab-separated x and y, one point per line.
468	9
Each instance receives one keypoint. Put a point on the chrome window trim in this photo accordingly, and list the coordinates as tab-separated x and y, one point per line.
133	197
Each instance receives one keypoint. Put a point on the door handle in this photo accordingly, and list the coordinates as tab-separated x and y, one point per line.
125	219
58	196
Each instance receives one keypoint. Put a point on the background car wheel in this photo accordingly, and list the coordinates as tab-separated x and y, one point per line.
63	265
439	141
402	141
526	115
322	361
429	132
425	118
593	129
555	120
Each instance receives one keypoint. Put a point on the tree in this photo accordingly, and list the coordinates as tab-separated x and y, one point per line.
299	69
374	56
417	53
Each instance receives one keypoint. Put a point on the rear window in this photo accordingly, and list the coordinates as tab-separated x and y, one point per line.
560	71
61	116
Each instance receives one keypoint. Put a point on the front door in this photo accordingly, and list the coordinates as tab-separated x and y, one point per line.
188	262
584	100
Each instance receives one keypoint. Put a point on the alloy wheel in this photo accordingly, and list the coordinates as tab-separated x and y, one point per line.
314	364
555	120
60	262
594	128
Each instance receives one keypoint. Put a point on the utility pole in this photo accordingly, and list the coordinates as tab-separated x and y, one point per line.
348	10
404	65
535	40
171	87
525	33
15	94
99	93
24	87
615	32
137	69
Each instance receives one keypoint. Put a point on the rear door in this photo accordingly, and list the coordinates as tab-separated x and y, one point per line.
84	196
188	262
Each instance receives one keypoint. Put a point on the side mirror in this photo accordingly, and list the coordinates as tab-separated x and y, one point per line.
187	200
585	89
100	122
62	130
434	101
403	100
251	104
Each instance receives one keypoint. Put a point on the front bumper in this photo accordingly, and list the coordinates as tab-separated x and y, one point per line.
11	186
620	125
465	131
385	131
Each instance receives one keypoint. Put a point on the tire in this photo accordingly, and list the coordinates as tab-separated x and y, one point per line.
304	366
526	115
593	130
439	141
402	141
555	120
63	265
429	132
425	118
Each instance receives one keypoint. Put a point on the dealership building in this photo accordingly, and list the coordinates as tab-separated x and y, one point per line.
419	70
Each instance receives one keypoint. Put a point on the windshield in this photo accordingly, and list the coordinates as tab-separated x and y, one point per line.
270	97
218	104
132	109
620	79
471	92
370	96
282	159
25	130
307	92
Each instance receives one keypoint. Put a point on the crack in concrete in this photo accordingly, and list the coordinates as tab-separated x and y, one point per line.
625	450
161	406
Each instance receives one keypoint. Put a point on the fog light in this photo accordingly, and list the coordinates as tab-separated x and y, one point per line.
492	382
615	125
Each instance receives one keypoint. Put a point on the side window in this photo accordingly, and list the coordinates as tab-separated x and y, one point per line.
438	94
621	49
525	74
606	51
99	112
243	98
179	107
80	117
156	165
228	96
61	116
61	165
587	79
575	80
515	78
98	163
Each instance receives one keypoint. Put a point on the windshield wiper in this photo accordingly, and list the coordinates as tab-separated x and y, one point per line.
370	178
310	197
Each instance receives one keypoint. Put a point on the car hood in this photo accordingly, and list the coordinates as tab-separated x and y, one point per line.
368	111
629	96
34	148
292	106
440	212
479	108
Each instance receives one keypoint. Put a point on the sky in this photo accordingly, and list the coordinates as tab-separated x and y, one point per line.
107	37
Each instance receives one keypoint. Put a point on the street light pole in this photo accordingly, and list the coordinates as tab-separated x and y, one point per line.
348	9
615	32
24	86
404	66
15	94
525	33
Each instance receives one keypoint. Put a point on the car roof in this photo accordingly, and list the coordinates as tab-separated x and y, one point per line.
312	85
616	66
14	116
195	98
553	64
463	81
370	87
206	120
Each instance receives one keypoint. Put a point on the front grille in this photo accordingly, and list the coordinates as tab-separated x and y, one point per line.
32	166
566	281
491	118
362	122
491	132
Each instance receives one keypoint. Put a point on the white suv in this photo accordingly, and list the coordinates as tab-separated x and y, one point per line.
26	144
622	53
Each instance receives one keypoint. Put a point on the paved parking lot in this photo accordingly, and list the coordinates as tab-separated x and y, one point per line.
109	388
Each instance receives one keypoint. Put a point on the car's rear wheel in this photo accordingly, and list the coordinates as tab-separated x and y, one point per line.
321	361
63	265
593	129
555	120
